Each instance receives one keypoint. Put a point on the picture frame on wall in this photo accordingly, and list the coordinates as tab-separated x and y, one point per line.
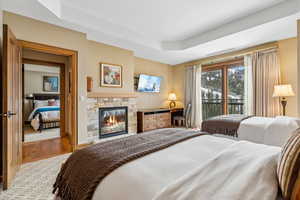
50	83
111	75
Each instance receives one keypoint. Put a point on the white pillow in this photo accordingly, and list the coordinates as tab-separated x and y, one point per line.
40	103
280	130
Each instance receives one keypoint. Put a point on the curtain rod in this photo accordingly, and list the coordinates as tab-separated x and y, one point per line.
236	56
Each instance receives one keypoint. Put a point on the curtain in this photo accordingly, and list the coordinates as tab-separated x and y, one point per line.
193	95
266	74
248	86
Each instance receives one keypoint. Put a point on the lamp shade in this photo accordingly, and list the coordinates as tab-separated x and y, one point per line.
172	97
283	91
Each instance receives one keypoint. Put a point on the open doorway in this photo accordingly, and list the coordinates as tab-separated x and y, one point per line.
46	95
41	102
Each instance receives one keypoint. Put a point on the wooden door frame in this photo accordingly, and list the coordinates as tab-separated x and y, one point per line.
73	77
62	93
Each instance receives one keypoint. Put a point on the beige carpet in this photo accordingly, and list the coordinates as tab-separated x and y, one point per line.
34	181
44	135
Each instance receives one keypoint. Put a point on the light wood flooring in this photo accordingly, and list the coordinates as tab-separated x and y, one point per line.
33	151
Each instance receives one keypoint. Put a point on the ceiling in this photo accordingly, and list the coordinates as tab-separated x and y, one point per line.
170	31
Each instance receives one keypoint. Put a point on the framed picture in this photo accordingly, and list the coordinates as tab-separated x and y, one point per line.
50	83
110	75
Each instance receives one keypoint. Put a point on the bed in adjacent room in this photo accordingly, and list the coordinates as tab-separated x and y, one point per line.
171	164
46	112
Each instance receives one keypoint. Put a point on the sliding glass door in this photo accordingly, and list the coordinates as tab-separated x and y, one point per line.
223	89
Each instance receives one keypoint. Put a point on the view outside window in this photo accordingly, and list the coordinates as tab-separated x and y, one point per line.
219	100
212	99
236	77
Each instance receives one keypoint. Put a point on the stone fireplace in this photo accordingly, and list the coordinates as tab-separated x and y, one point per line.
96	104
113	121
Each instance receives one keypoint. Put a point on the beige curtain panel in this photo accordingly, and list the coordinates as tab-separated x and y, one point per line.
266	74
193	95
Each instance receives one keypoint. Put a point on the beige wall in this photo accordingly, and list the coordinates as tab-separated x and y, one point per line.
90	54
97	53
298	61
33	81
154	100
289	71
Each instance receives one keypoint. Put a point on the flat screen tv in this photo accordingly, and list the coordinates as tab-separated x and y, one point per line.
149	83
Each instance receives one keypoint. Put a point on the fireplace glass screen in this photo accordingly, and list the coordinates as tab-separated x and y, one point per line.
113	121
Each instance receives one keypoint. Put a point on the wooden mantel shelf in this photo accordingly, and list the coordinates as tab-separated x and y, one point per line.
110	95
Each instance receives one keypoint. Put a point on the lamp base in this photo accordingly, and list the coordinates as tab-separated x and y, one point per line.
283	103
172	104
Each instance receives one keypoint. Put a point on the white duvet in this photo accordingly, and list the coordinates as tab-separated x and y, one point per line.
202	168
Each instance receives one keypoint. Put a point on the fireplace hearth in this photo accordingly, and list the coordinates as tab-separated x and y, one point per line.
113	121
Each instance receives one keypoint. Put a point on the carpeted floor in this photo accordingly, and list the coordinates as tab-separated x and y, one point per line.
44	135
34	181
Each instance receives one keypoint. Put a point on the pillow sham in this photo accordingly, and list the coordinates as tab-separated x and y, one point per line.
288	170
52	102
40	103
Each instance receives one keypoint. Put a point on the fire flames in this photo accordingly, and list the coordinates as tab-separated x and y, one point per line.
111	120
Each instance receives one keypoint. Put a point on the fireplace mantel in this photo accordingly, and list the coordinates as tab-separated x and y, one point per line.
110	95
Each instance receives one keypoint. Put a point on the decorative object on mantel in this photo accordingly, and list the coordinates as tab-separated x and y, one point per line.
172	98
283	91
110	75
89	83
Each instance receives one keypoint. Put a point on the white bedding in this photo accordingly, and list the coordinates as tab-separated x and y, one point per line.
48	115
146	178
266	130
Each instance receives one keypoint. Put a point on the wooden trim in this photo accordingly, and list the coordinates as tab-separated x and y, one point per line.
73	57
81	146
220	64
46	48
110	95
41	62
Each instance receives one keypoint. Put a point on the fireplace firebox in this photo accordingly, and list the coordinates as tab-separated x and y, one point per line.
113	121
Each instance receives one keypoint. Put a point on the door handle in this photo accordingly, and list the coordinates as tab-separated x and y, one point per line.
8	114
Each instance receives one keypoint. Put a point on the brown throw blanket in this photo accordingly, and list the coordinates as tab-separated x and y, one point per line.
86	168
223	124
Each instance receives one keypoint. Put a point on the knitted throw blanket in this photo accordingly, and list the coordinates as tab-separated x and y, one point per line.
223	124
86	168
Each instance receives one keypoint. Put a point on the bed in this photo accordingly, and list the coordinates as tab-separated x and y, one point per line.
264	130
46	111
199	167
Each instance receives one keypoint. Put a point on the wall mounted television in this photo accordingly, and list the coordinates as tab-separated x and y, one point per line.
149	83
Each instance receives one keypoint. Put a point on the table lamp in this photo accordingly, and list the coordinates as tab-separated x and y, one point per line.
172	98
283	91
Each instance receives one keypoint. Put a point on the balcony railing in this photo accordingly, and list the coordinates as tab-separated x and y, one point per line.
214	107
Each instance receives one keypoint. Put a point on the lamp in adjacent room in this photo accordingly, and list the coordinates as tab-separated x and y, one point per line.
283	91
172	98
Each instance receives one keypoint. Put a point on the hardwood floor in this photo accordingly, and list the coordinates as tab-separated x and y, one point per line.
33	151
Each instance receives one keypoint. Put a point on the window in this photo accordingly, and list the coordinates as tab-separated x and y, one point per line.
223	88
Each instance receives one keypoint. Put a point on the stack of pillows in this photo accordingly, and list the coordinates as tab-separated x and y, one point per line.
43	103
